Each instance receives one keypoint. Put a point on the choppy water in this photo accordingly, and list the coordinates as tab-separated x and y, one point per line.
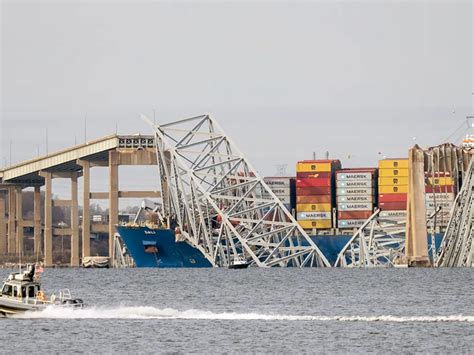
254	310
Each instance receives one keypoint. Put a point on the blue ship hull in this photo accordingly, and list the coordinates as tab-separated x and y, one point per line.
142	241
158	248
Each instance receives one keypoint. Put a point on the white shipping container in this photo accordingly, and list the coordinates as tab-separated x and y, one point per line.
394	213
283	191
355	183
301	216
283	198
449	196
277	182
350	223
354	191
354	176
442	204
355	206
354	198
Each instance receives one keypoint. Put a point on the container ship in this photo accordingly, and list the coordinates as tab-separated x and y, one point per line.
330	203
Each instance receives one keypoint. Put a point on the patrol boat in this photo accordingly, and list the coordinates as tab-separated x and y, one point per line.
22	292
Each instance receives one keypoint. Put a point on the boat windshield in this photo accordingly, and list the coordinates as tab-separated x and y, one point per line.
7	290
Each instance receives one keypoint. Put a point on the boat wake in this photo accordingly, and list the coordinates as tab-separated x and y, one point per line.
170	313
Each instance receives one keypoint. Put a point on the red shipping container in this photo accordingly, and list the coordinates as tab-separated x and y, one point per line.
313	199
393	197
438	174
358	170
313	175
437	189
308	191
313	182
393	206
354	214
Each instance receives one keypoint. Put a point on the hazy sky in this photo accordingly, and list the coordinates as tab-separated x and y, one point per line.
360	79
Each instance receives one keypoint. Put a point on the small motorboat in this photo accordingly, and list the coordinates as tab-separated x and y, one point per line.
239	263
22	292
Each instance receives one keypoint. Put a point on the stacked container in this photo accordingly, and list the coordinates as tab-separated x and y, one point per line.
439	193
315	196
284	188
393	188
355	196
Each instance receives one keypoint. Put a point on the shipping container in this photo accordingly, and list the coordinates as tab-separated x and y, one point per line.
439	189
350	223
355	198
308	166
403	197
393	205
354	214
437	173
307	191
354	176
355	206
393	163
442	181
281	191
316	224
301	216
314	199
440	196
315	207
442	204
275	182
301	175
355	183
355	191
313	182
393	189
393	172
391	181
393	214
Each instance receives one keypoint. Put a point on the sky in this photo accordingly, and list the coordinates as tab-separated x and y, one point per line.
361	80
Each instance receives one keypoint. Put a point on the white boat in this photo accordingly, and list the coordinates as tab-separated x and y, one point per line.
22	292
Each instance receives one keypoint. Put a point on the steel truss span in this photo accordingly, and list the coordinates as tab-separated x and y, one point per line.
457	247
379	242
221	205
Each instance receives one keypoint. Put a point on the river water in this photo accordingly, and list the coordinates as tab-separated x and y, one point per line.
252	311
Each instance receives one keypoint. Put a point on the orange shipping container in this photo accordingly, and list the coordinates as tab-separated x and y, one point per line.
308	166
313	199
313	182
393	172
354	214
316	224
309	191
314	207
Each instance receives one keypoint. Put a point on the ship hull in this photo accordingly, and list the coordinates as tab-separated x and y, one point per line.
159	248
169	253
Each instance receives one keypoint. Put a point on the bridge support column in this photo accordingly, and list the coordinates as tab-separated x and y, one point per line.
19	221
11	221
86	221
37	220
48	219
113	197
3	227
74	222
416	244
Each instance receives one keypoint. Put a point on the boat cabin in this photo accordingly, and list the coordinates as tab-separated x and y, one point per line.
22	286
20	289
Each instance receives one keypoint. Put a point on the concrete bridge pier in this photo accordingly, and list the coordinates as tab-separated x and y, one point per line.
19	221
37	220
11	221
3	226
